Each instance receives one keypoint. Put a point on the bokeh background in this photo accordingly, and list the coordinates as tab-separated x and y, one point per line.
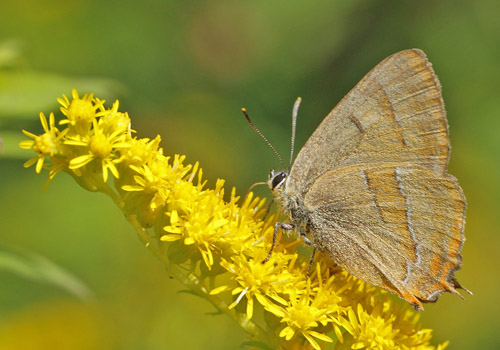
73	275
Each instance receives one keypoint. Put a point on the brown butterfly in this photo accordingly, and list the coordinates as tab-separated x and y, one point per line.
371	188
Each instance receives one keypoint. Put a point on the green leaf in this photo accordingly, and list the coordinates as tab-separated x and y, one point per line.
189	291
255	344
10	52
24	94
9	148
37	268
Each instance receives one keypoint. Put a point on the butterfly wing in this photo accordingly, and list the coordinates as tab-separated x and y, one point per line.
372	182
395	225
395	113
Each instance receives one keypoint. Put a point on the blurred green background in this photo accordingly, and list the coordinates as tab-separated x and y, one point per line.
184	69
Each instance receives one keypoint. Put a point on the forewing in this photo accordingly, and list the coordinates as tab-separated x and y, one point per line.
394	225
395	113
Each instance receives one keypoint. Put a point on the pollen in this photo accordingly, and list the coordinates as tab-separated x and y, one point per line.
100	146
81	110
45	144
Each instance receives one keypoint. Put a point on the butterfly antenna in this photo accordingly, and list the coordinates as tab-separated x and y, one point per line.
250	188
262	136
294	125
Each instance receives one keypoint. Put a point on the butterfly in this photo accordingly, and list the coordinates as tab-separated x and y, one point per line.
370	186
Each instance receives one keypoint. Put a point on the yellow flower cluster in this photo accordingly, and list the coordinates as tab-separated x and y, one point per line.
216	246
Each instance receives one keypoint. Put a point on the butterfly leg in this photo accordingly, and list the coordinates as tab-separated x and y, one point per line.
306	240
311	262
284	226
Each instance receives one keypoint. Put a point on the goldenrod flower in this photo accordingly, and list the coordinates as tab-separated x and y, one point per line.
47	144
80	112
99	147
216	247
262	281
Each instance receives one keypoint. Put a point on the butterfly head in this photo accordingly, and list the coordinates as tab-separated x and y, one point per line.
277	179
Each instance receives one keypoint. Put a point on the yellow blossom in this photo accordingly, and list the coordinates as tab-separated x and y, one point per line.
99	147
80	112
47	144
261	281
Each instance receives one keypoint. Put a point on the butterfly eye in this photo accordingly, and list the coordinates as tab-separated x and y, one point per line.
278	179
